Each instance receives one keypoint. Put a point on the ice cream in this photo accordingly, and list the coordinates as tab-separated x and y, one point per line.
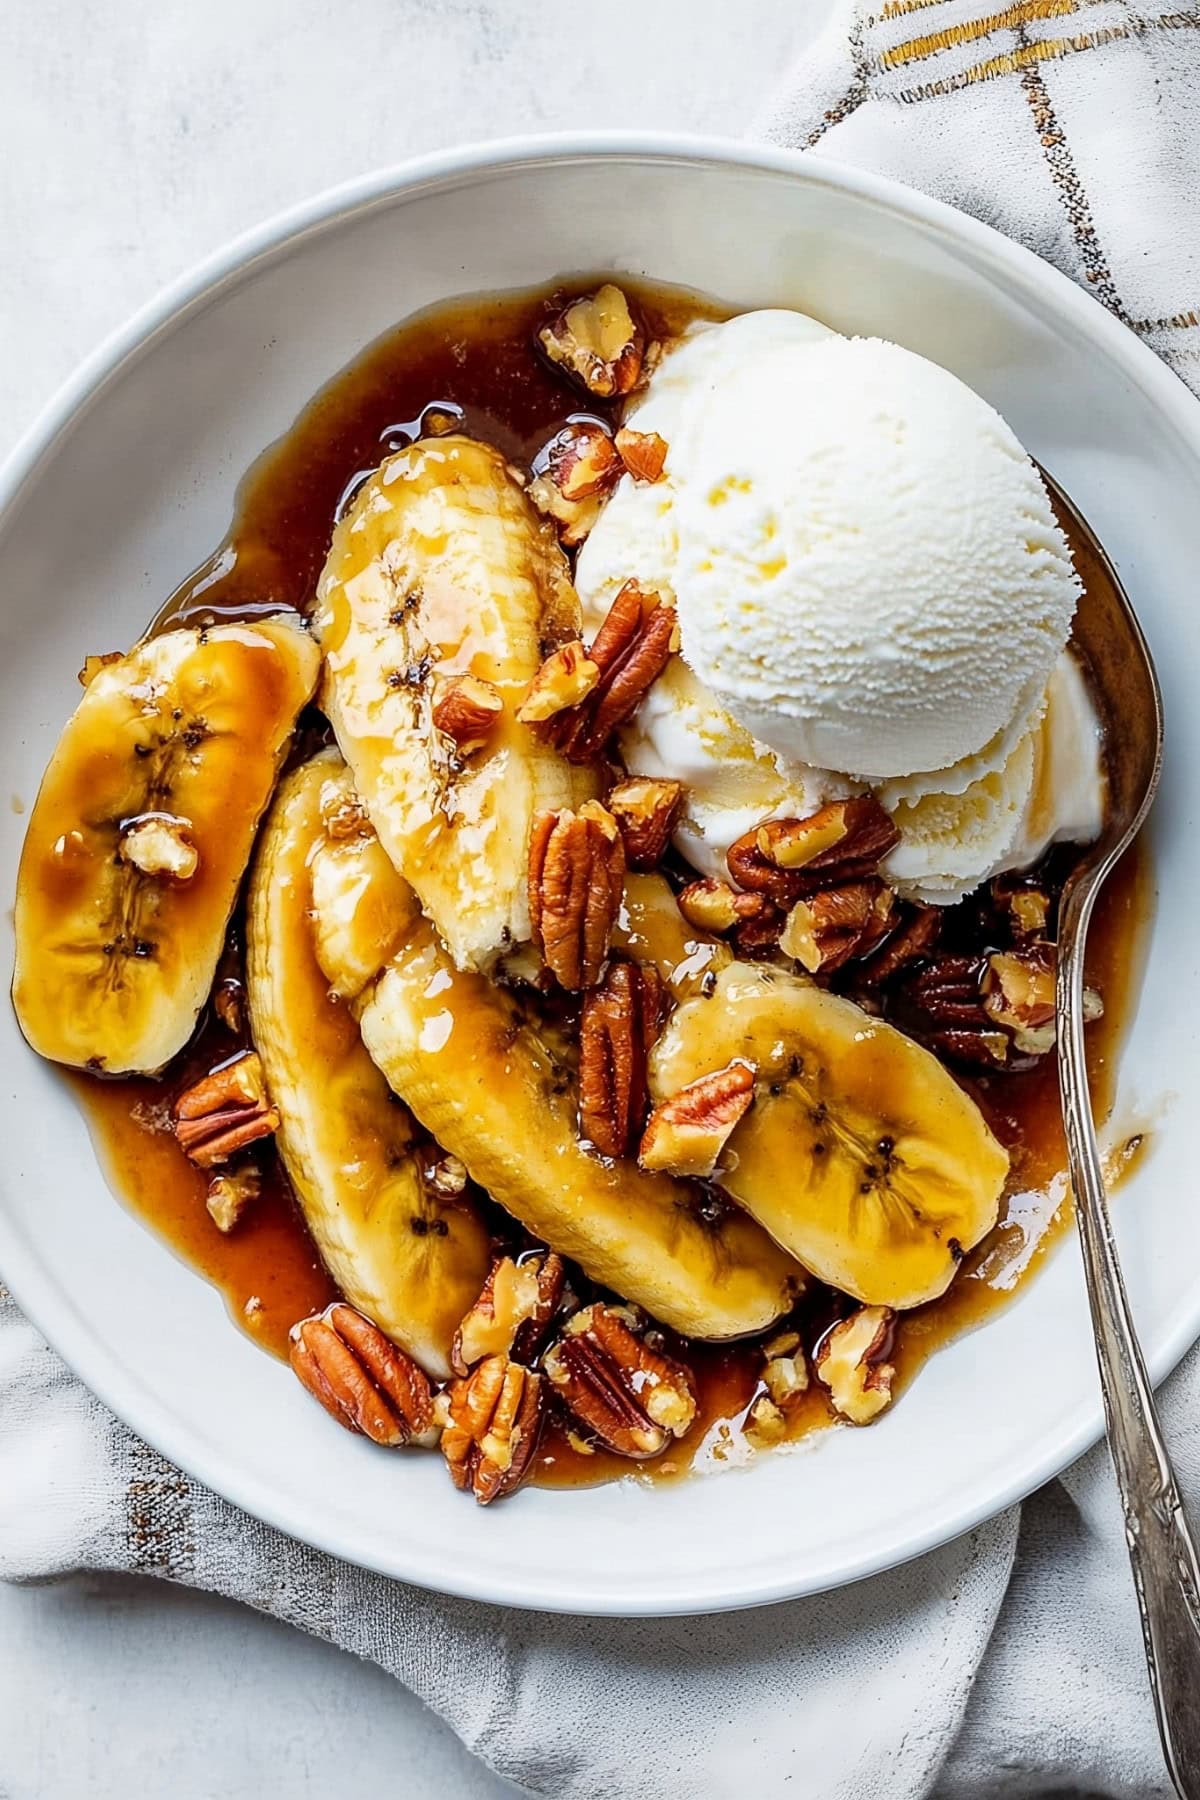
872	592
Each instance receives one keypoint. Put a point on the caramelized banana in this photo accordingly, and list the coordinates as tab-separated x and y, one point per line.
413	1261
141	834
482	1079
860	1154
443	570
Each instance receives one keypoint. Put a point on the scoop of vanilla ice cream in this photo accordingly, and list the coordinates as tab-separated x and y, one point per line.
1031	772
869	574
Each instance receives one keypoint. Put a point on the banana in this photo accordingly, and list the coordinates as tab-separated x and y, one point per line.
141	834
411	1260
860	1154
441	569
483	1081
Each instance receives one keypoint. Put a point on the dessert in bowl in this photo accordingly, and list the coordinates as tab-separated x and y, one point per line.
654	782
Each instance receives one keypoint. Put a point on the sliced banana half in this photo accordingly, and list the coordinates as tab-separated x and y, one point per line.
484	1081
141	834
443	572
860	1154
412	1259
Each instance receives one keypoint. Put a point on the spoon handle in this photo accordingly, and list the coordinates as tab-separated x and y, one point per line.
1162	1550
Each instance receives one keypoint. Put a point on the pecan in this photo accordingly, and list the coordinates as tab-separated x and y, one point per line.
466	708
491	1421
766	1423
911	942
448	1177
573	474
160	845
1026	908
852	1362
512	1313
576	880
785	1371
644	453
564	679
687	1133
230	1193
836	923
225	1111
645	812
787	859
1018	994
712	905
619	1023
597	342
630	1397
361	1378
948	1003
631	650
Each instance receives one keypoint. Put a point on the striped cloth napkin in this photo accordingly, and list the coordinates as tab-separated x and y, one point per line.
1008	1663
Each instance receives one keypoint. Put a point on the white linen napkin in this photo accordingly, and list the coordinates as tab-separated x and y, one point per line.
899	1686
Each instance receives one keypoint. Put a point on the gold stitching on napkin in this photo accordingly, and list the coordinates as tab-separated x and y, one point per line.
1023	12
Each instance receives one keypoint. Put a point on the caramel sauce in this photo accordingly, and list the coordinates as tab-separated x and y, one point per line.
467	366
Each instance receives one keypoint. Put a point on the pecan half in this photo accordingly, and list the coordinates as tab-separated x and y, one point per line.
597	342
836	923
512	1313
630	1397
909	943
564	679
787	859
687	1133
645	811
361	1378
631	650
619	1023
467	708
160	845
576	880
852	1361
225	1111
230	1193
573	474
644	453
949	1013
491	1420
1018	995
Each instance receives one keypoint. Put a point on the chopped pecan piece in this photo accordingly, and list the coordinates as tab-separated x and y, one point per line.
467	708
448	1177
512	1313
631	650
572	475
852	1361
1018	995
712	905
787	859
687	1133
630	1397
230	1193
160	845
565	679
785	1371
361	1378
644	453
619	1023
491	1420
645	811
597	342
766	1423
576	880
225	1111
1026	908
911	942
836	923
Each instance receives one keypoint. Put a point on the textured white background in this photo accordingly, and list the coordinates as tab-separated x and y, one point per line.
134	138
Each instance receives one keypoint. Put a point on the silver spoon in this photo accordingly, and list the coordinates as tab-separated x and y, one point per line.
1162	1550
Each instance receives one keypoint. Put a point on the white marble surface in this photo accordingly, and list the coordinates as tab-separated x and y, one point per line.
134	139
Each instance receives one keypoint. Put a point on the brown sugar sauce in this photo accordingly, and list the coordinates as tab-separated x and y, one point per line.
468	366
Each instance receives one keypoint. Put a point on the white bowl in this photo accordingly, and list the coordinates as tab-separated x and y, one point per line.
128	481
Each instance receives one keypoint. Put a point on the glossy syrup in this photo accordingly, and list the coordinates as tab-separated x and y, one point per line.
468	366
